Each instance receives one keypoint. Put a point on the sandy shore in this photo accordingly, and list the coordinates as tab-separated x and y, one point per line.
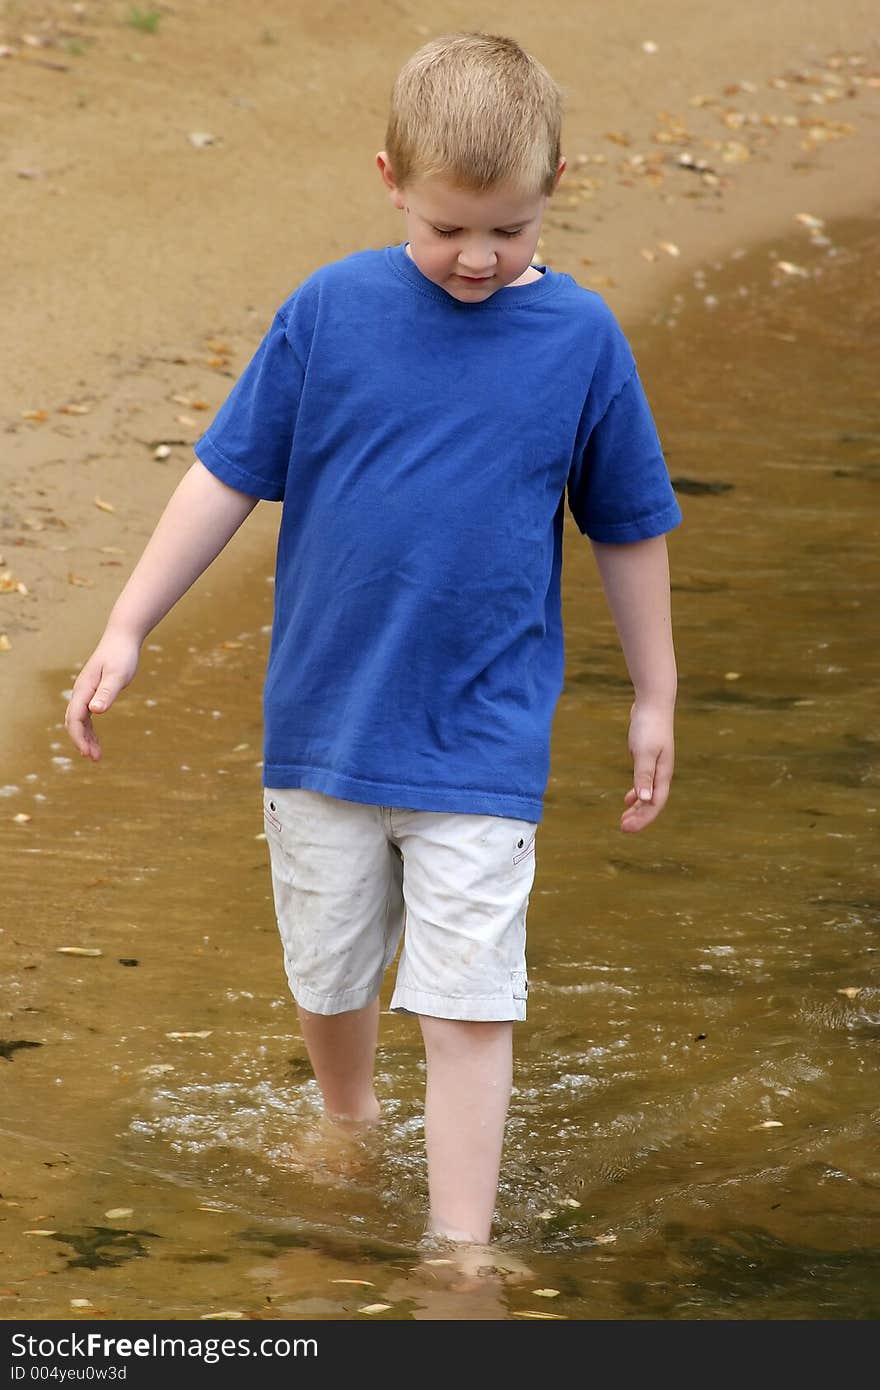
163	191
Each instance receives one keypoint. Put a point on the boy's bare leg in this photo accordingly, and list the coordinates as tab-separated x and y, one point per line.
470	1072
342	1051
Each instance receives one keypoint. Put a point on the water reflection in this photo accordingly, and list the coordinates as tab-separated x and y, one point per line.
694	1128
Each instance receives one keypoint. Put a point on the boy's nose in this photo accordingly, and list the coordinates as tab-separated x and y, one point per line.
474	261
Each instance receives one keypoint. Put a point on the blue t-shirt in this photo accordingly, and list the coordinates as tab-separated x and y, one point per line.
423	448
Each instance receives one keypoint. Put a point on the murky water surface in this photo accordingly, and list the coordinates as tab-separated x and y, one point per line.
694	1128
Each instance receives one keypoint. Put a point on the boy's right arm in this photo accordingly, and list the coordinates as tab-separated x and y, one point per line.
202	515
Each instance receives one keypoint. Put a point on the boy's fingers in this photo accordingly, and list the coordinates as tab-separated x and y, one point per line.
103	698
79	726
104	675
648	795
643	781
77	709
78	719
640	815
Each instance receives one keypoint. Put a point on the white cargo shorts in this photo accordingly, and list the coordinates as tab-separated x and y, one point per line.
350	880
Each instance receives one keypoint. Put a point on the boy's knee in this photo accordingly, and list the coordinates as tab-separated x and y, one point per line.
458	1034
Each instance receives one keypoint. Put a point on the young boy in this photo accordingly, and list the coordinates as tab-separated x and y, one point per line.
422	412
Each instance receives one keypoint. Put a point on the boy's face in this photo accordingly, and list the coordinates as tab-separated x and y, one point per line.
470	244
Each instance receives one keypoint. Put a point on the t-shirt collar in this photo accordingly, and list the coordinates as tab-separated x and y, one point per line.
505	298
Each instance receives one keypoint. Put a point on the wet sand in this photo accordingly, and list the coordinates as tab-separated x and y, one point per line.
693	1128
141	268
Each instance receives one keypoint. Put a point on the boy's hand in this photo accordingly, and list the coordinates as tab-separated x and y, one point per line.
109	669
652	748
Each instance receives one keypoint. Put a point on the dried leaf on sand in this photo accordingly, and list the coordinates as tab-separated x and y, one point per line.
10	585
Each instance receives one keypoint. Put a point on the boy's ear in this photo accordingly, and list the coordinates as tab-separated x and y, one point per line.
563	164
387	173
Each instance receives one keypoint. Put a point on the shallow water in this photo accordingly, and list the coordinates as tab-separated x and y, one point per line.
693	1132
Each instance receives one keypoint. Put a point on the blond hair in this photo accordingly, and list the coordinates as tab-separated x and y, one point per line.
477	109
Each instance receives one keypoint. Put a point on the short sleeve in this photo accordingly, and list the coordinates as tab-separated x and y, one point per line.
619	488
248	444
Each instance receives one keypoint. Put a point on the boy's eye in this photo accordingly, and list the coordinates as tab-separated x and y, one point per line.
453	231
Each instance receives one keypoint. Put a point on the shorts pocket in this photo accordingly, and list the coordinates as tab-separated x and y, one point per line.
270	813
525	845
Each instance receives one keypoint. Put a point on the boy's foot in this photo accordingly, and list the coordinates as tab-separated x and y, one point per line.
466	1264
331	1150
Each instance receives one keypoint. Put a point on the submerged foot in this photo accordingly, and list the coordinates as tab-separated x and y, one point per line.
331	1149
470	1265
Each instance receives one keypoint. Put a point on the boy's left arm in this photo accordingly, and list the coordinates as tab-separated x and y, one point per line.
635	577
